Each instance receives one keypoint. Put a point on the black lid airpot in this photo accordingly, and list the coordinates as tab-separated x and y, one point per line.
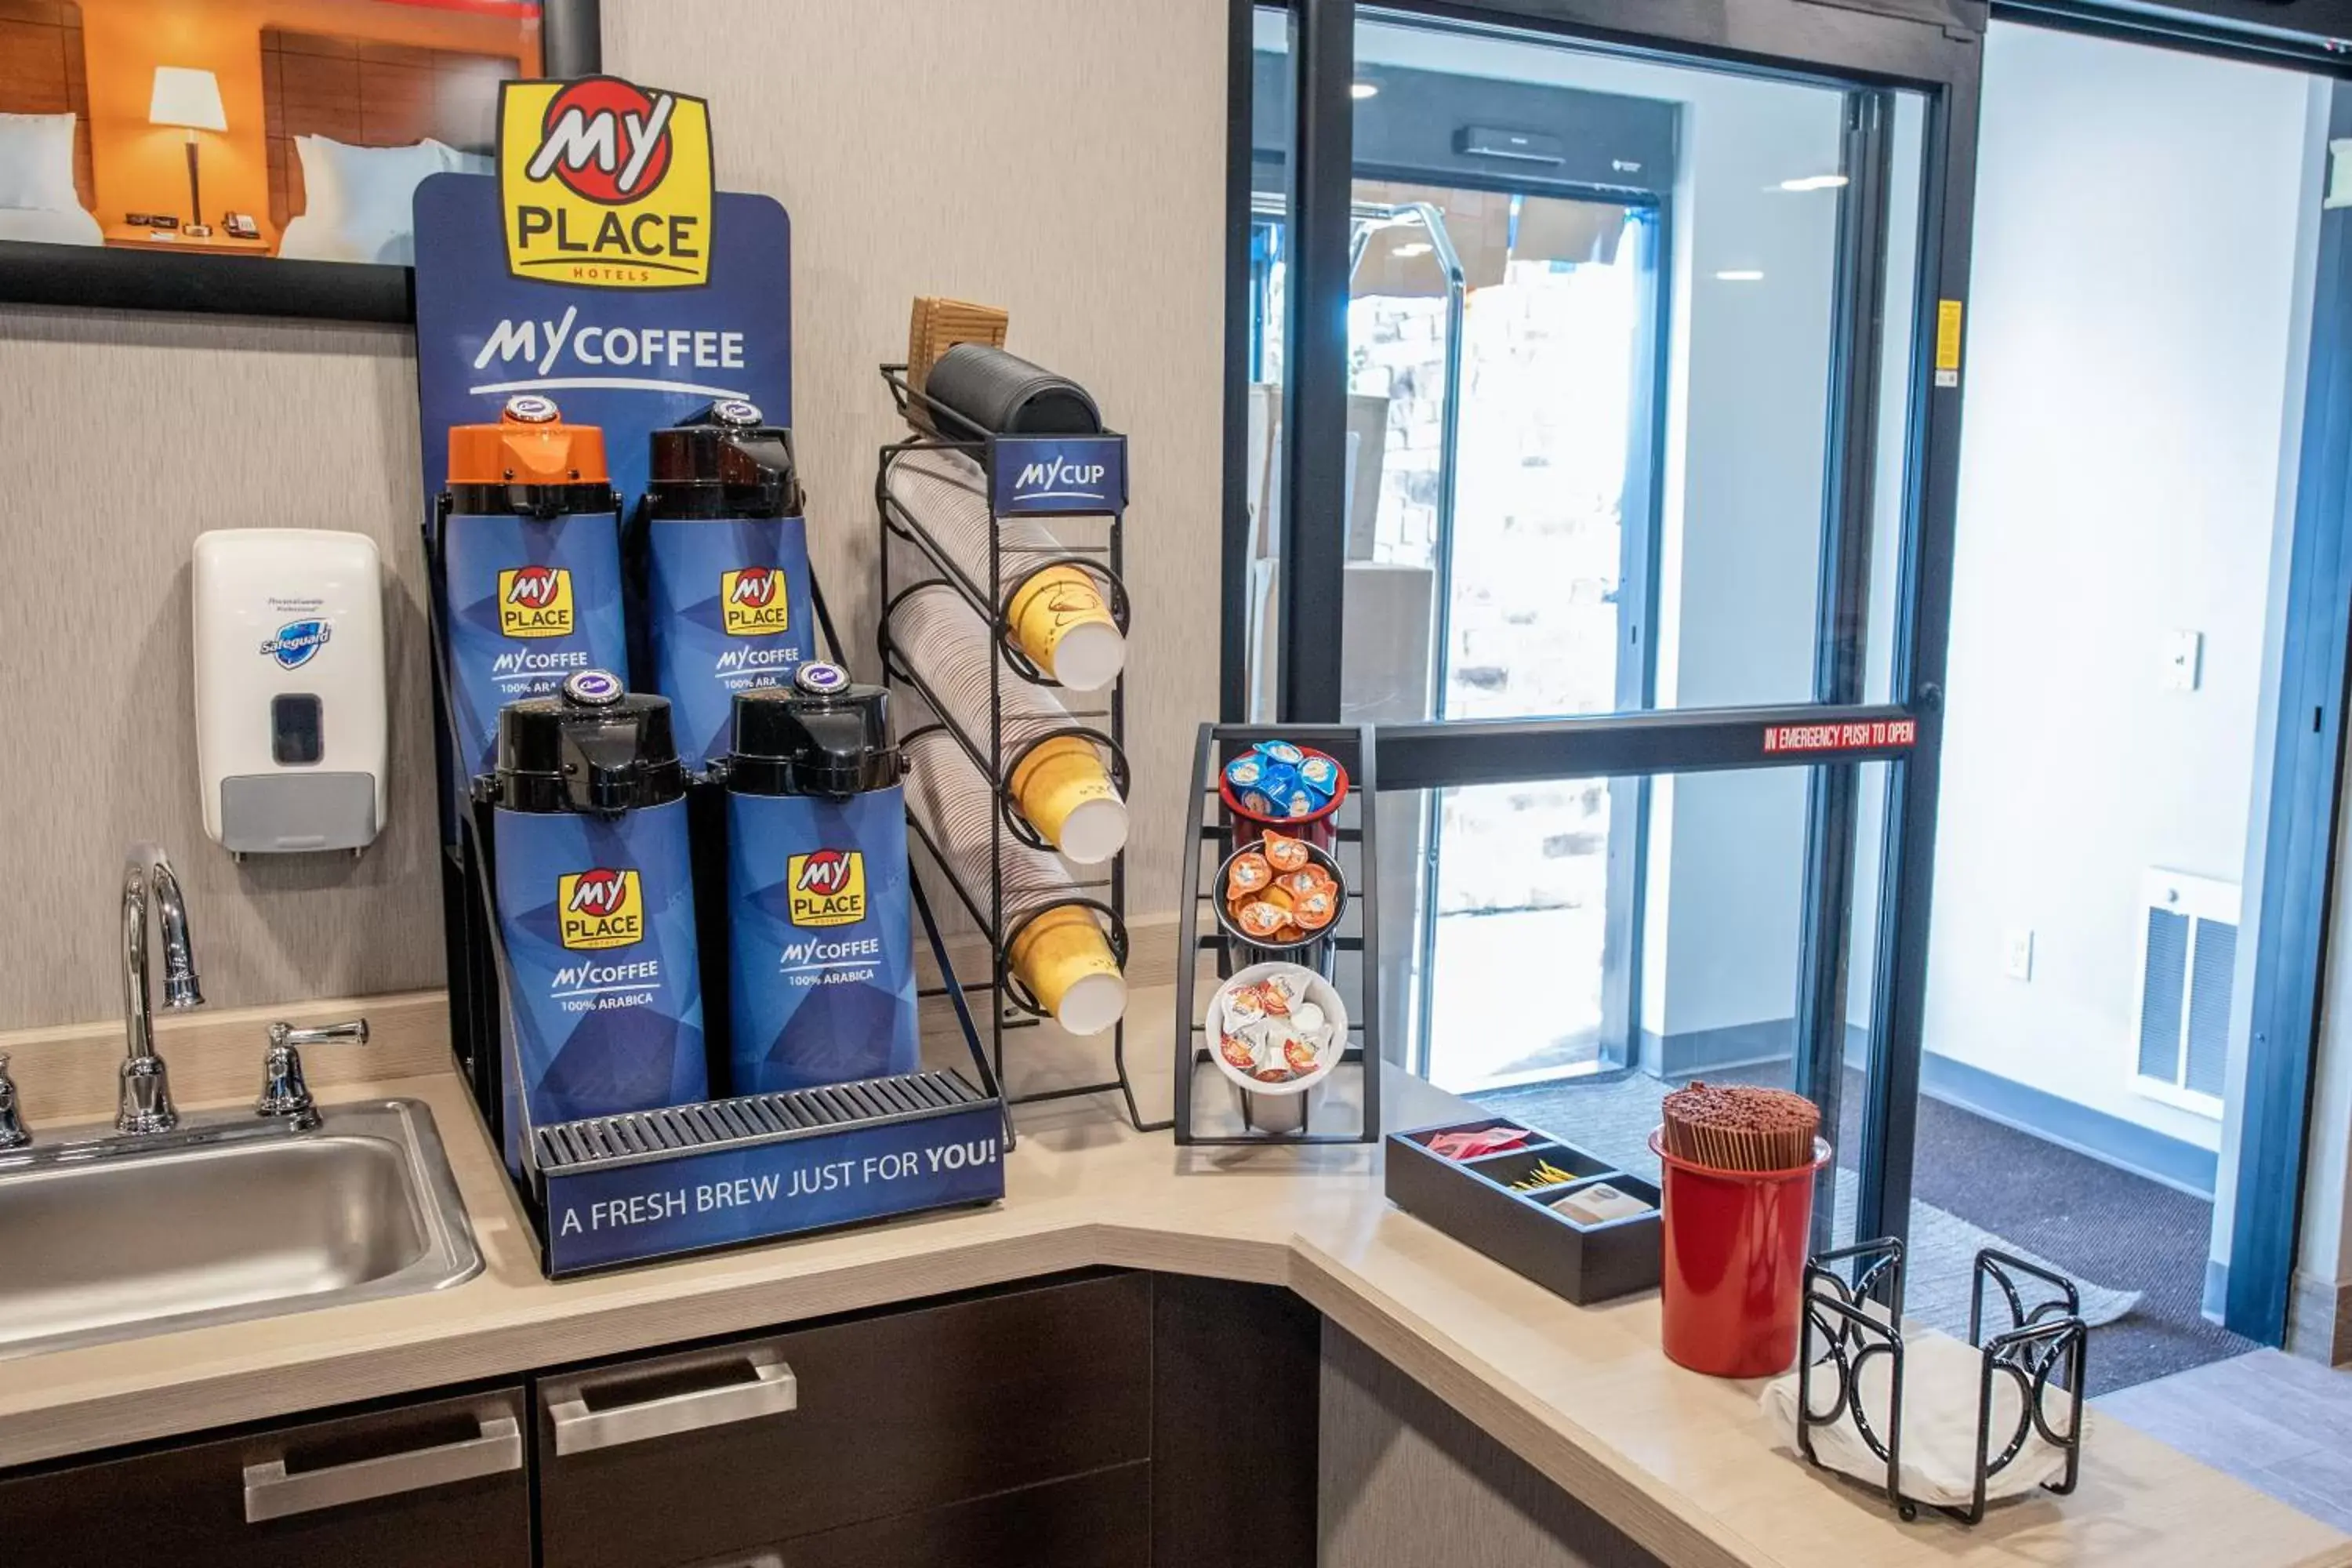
821	735
595	747
724	461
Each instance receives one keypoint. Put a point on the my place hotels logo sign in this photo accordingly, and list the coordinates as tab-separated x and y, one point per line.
827	887
606	183
535	602
600	908
753	601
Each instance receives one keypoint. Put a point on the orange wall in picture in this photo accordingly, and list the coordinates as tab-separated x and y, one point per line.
143	168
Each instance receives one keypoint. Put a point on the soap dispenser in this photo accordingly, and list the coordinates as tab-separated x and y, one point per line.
292	732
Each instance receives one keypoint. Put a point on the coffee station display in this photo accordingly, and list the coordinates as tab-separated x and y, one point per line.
723	1243
679	888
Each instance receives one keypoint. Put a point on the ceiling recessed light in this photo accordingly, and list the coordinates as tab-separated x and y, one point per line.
1739	275
1363	90
1418	247
1814	182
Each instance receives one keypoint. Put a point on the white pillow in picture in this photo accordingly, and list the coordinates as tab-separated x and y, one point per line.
36	163
364	194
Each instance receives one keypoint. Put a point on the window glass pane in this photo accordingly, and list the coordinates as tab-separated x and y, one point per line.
1571	969
1890	464
2122	576
1270	101
1590	375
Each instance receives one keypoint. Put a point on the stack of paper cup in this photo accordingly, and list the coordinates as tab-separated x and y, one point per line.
1061	954
1057	612
1060	783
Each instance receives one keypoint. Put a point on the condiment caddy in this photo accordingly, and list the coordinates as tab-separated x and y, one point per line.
1278	886
1564	1217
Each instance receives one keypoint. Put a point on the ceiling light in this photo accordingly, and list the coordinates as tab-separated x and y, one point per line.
1361	90
1814	182
1418	247
1739	275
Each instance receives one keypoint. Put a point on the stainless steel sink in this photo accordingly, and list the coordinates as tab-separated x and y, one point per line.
228	1218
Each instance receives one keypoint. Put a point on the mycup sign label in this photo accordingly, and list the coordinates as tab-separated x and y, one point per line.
1073	474
606	183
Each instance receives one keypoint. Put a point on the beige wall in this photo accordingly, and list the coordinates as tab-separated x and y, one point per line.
1060	158
1064	159
123	438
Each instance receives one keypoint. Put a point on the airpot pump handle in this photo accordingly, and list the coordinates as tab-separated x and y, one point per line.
283	1091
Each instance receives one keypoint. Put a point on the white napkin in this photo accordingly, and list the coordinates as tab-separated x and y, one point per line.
1940	1383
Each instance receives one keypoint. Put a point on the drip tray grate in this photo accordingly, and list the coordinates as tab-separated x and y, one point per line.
610	1143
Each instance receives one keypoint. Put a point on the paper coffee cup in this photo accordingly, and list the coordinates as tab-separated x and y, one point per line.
1062	624
946	492
1065	961
1065	792
956	809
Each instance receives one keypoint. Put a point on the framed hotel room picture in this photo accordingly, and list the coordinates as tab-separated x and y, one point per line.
253	156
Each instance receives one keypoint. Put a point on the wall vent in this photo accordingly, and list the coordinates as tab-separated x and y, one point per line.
2188	964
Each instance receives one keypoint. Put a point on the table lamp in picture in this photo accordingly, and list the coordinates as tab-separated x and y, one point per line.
191	100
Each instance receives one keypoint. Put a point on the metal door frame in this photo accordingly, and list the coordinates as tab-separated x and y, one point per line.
1925	46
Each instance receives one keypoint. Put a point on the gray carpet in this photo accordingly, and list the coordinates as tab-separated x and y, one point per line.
1612	1117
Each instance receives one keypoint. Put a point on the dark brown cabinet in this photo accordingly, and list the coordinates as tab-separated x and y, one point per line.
415	1485
1103	1420
1098	1521
810	1430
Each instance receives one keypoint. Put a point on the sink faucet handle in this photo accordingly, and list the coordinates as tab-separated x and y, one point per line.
352	1031
283	1091
13	1134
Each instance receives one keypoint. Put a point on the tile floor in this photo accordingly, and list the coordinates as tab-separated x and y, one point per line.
2280	1424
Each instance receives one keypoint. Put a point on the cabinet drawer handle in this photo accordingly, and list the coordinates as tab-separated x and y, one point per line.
578	1429
271	1493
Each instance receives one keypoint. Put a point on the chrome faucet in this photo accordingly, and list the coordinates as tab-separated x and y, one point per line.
13	1132
285	1094
146	1099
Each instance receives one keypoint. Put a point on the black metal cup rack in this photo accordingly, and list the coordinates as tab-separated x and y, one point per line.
2042	1348
1211	835
741	1138
998	752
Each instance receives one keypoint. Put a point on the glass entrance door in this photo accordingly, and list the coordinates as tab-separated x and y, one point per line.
1606	507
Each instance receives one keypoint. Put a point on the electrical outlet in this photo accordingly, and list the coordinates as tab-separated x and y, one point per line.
2184	660
2017	954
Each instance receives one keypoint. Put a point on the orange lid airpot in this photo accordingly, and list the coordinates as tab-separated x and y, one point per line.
530	444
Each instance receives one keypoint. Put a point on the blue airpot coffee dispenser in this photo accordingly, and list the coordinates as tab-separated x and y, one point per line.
821	972
724	558
531	555
592	883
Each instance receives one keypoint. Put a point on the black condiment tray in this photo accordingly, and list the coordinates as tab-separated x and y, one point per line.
1473	1202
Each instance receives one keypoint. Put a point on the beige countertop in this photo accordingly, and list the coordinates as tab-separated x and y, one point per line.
1686	1465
